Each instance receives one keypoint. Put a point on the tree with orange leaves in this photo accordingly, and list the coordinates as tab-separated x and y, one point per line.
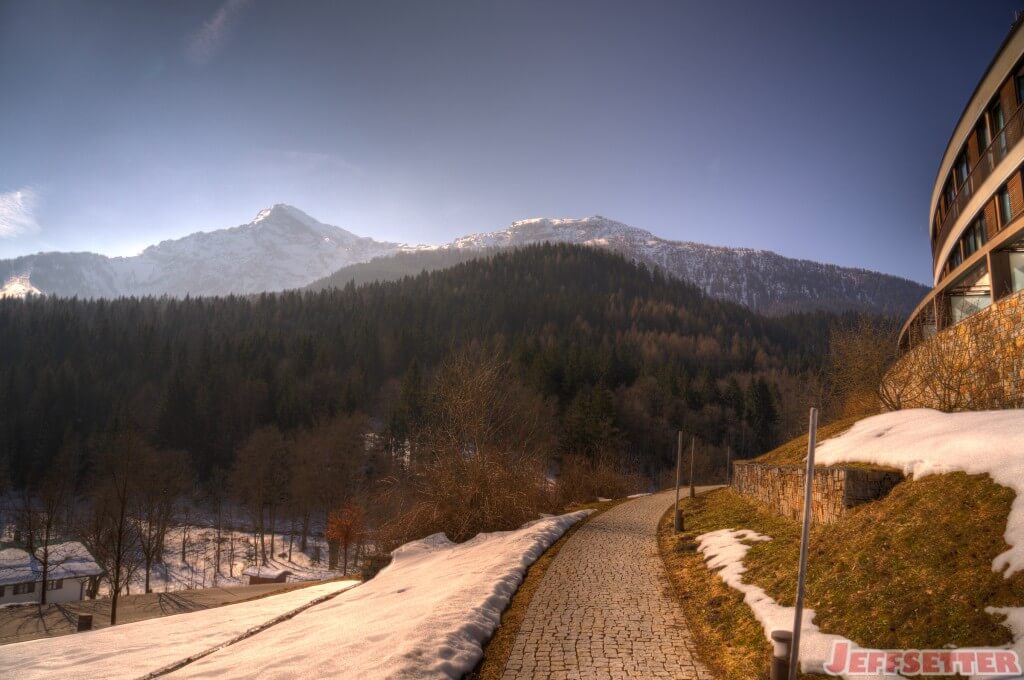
344	530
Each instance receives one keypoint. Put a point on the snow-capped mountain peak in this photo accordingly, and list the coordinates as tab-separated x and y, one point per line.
281	248
284	248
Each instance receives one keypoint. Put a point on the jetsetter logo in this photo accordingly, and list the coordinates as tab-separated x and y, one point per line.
847	659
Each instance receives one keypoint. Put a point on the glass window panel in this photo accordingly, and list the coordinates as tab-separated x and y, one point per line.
1017	270
964	306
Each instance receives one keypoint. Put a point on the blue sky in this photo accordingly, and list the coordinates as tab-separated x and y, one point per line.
810	128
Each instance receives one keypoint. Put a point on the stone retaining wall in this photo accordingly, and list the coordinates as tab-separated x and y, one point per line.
836	489
975	365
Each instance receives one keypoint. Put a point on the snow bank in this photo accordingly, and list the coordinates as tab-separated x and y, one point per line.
924	442
135	649
425	615
919	442
725	550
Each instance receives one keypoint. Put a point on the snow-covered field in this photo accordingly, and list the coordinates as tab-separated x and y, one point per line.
921	442
135	649
426	615
238	550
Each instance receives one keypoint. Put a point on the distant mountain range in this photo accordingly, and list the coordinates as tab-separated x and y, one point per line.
284	248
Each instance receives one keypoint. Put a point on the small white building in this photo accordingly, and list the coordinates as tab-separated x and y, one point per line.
70	569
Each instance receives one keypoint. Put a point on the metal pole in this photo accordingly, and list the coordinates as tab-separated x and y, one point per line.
693	448
812	434
679	472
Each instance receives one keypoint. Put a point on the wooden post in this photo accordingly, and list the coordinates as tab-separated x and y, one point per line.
679	471
728	465
812	434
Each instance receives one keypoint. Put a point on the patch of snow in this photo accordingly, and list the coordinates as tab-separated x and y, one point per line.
19	286
425	615
238	551
923	442
266	571
602	499
639	495
135	649
725	551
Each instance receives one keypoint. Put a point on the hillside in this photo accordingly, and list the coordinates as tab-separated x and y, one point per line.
620	356
935	563
759	279
399	265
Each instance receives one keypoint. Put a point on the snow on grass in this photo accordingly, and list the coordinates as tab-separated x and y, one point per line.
426	615
725	550
135	649
924	442
920	442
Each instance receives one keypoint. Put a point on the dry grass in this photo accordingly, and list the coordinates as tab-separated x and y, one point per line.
912	570
794	452
497	650
728	637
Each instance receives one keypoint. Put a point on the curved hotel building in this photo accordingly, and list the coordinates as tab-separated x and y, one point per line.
976	218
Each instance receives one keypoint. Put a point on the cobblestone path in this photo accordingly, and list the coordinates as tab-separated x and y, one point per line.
604	609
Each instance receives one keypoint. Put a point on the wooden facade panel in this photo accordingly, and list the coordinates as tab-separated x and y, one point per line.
1016	195
1008	98
991	219
973	153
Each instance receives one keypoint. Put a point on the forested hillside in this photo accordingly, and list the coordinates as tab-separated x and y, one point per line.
614	356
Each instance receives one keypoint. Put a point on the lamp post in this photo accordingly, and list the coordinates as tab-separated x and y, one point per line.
679	471
812	434
693	450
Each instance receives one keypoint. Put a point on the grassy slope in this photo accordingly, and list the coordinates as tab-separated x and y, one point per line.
794	452
913	569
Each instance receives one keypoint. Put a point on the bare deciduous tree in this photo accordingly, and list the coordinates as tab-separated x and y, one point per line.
114	534
483	454
162	478
860	355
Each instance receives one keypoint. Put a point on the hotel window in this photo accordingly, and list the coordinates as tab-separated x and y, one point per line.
55	584
949	193
1018	80
955	257
961	169
2	589
974	237
970	295
983	137
997	121
995	117
1005	209
1017	265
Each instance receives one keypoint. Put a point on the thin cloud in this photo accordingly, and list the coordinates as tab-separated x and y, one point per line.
205	43
17	213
